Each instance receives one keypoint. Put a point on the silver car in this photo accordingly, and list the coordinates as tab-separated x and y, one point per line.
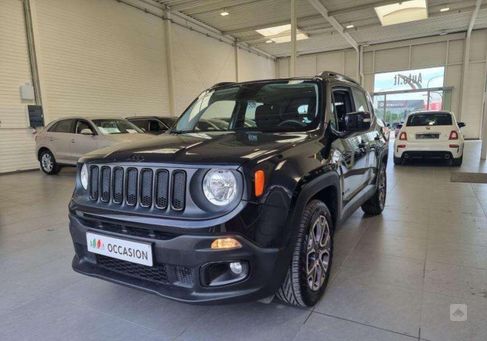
63	141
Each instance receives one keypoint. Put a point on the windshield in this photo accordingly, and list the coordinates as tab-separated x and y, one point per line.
429	119
116	126
277	106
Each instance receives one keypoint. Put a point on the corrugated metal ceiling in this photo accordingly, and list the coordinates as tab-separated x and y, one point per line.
248	15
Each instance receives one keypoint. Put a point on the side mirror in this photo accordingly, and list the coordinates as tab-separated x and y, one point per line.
461	124
357	121
399	126
86	131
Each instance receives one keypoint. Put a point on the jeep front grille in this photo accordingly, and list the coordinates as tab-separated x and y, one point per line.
143	187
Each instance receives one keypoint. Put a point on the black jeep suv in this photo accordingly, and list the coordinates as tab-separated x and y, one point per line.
242	207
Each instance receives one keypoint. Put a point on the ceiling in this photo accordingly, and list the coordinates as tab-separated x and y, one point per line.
245	16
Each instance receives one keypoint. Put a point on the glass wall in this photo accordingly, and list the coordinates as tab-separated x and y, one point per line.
399	93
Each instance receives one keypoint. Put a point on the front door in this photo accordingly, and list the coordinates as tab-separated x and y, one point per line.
351	150
83	142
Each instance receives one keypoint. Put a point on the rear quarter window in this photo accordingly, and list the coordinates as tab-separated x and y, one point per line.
437	119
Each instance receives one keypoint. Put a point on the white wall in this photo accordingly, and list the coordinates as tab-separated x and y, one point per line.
199	63
16	140
445	51
252	66
101	57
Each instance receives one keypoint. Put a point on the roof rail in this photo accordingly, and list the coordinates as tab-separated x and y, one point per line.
337	76
223	84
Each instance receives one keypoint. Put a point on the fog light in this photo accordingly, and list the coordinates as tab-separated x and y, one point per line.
236	268
225	244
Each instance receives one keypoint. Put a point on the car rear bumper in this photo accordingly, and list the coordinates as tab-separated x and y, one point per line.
441	149
180	266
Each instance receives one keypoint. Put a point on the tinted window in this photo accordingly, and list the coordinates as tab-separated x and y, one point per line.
142	124
269	106
156	126
168	121
64	126
429	119
360	100
342	104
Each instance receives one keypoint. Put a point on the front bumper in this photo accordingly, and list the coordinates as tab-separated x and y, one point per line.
428	149
178	265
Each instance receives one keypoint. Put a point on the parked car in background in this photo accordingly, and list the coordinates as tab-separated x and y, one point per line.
153	124
63	141
430	134
241	210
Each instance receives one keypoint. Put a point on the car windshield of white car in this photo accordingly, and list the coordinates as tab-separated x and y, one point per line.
430	119
111	126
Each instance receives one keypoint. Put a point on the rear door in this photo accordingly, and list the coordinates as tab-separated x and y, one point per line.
60	137
82	143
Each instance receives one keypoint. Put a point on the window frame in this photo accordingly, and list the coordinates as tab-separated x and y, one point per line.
88	123
72	126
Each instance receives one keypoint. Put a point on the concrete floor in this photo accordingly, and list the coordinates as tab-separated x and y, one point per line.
394	276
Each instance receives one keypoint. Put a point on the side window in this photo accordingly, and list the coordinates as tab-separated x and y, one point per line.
156	126
342	104
82	125
142	124
360	100
64	126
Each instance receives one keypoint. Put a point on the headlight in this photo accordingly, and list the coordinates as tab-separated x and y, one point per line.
84	176
220	186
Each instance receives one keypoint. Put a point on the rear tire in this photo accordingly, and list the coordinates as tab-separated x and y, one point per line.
397	161
375	205
48	163
457	162
309	271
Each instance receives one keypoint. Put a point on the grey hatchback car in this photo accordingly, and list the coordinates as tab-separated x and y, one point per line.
63	141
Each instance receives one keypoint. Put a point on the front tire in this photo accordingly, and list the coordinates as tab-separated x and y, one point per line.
48	163
375	205
309	271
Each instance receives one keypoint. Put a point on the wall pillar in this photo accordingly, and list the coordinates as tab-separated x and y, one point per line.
169	61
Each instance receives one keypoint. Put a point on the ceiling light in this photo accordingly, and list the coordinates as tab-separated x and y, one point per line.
280	34
287	39
224	13
445	9
402	12
349	26
272	31
270	41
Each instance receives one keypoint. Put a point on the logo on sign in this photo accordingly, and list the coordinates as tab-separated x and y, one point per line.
97	244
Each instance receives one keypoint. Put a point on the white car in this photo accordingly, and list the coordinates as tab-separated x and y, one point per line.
63	141
430	135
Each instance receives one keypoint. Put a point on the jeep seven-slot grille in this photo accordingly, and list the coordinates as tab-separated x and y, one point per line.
144	187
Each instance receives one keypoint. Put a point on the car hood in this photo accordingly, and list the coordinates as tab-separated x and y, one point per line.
201	148
120	138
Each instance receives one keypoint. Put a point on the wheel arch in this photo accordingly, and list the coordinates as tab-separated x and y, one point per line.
39	152
325	188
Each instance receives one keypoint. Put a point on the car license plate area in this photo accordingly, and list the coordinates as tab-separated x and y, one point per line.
427	136
127	250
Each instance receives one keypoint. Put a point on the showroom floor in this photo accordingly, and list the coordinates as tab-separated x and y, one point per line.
394	276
